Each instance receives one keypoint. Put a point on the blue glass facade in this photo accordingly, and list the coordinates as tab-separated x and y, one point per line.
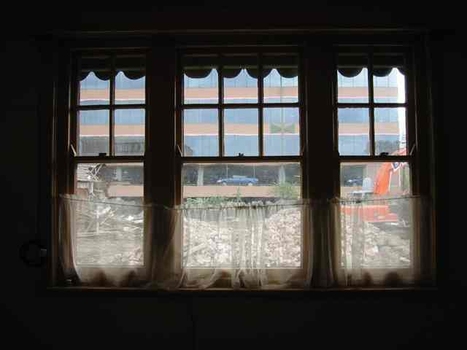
123	117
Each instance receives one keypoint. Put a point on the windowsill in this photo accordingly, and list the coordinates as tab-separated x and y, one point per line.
214	292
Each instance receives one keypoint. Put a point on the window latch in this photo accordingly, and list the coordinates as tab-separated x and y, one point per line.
73	151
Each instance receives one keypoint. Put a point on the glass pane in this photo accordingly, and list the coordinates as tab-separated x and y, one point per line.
389	78
241	132
389	85
353	89
201	86
93	133
239	182
375	180
390	135
94	80
224	217
130	90
280	79
240	79
94	90
109	225
201	132
378	233
281	131
218	219
352	79
354	131
129	131
130	82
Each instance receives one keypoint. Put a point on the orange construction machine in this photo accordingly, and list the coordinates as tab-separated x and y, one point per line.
379	211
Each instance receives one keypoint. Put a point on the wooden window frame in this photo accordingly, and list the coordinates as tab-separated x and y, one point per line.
260	105
416	145
316	101
68	177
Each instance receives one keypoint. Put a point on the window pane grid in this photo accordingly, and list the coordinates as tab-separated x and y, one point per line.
226	182
379	139
231	107
244	149
261	102
125	95
110	218
371	163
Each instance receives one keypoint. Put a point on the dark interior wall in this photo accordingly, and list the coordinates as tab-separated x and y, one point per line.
376	320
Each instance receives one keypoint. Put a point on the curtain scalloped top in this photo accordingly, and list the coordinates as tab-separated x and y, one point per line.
105	75
379	72
233	72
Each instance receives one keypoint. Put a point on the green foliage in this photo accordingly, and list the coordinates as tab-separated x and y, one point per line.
279	128
286	190
207	201
238	195
214	201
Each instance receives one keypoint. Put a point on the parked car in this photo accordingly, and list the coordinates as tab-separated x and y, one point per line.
238	180
354	182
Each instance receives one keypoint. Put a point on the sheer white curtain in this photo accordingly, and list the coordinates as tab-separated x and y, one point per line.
249	246
294	244
381	241
101	242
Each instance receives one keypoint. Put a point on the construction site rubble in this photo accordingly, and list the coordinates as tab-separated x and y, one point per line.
112	236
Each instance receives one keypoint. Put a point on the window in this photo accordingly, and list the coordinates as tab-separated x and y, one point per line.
244	166
240	147
375	161
368	126
108	112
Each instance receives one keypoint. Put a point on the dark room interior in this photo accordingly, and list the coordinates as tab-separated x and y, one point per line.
36	316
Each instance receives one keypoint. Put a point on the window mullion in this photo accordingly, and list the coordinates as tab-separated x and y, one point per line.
319	156
372	104
161	155
74	124
320	161
161	180
417	143
179	126
112	108
261	106
61	159
420	133
74	93
220	108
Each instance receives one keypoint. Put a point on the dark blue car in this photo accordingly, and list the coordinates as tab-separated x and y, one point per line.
238	180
